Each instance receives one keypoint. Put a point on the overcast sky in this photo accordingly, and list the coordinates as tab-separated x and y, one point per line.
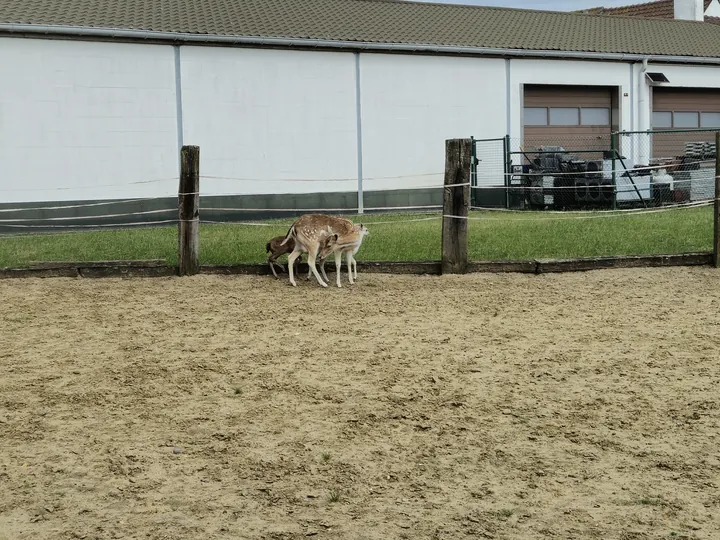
554	5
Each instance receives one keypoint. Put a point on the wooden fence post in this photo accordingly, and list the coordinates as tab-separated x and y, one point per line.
456	202
716	243
189	211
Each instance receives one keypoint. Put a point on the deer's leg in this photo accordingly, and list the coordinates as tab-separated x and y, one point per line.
272	260
349	259
338	263
322	270
311	261
291	260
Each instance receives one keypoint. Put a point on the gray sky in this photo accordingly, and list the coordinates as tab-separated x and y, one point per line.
554	5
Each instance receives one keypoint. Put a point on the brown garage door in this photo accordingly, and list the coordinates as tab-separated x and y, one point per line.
683	109
574	117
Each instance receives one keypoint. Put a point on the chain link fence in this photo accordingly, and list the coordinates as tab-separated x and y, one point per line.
595	172
668	167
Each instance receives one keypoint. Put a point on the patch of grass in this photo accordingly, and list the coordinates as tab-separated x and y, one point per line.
519	236
325	457
505	513
145	243
335	496
495	236
237	391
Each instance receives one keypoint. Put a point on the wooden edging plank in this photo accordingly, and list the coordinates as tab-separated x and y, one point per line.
145	263
262	269
158	268
545	266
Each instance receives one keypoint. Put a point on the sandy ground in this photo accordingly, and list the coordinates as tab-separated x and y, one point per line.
484	406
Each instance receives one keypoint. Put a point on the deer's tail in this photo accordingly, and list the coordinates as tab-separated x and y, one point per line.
290	234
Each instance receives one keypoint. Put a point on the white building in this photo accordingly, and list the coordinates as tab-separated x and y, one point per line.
301	103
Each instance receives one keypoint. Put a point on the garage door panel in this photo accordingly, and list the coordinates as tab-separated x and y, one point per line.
686	100
683	109
563	99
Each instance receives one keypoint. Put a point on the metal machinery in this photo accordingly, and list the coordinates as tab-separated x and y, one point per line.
556	179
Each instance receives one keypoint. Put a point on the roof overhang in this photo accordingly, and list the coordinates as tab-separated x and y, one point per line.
34	30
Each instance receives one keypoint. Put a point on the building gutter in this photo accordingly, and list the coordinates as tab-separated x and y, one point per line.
208	39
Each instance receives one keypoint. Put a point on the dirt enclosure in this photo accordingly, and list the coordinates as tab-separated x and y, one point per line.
405	407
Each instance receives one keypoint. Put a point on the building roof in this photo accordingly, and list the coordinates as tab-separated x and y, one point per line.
357	22
659	9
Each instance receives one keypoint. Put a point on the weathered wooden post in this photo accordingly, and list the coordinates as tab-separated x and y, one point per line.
716	243
456	203
189	211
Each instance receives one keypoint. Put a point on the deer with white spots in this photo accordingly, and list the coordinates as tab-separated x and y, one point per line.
349	244
311	233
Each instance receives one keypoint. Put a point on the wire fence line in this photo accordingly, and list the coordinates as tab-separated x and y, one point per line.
409	208
290	180
83	205
102	216
90	226
62	188
595	215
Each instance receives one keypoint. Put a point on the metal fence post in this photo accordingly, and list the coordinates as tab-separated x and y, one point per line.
716	207
473	173
614	151
507	165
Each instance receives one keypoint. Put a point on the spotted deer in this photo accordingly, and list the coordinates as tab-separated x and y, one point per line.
348	244
310	233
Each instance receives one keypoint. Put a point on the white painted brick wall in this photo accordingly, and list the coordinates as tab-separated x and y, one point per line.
93	118
412	104
269	116
81	115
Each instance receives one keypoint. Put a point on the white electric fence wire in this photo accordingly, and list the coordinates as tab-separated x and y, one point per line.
93	186
368	223
354	179
594	216
344	210
694	204
624	188
86	205
610	171
91	226
69	218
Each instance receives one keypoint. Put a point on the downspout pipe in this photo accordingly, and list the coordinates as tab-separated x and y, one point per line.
33	30
643	142
643	90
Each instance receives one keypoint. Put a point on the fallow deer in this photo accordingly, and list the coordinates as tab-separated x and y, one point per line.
348	244
276	249
310	232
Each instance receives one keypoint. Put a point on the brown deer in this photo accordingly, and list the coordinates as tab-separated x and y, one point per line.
276	249
348	244
310	233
